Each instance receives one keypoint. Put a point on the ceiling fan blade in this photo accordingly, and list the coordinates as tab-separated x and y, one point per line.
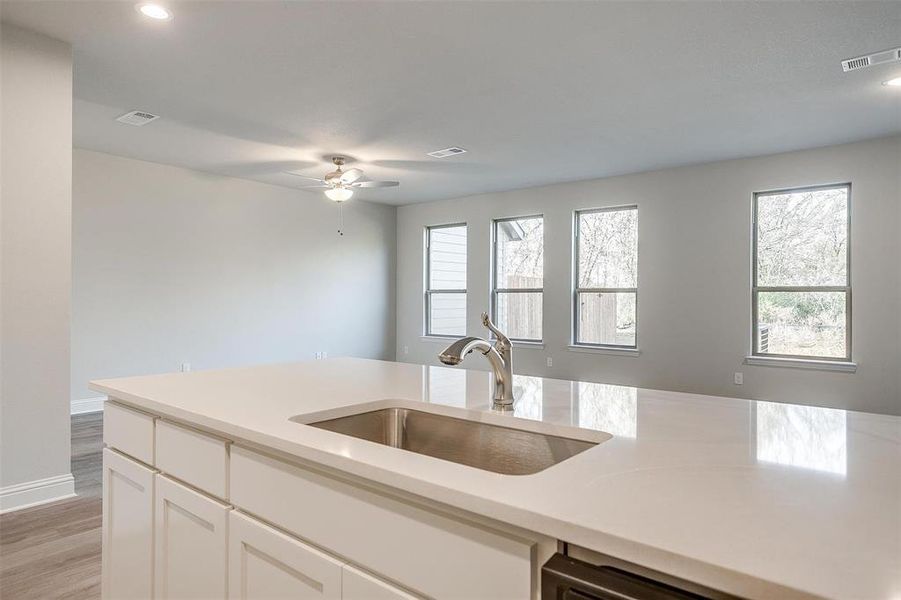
303	176
376	184
351	175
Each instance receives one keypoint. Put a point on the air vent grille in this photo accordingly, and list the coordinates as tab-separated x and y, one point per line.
452	151
137	118
877	58
856	63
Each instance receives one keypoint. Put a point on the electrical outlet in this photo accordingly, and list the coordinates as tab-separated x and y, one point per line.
550	361
739	378
185	367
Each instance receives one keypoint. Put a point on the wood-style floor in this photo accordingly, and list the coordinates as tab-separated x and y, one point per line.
53	551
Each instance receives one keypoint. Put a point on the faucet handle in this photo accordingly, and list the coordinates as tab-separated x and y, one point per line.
501	338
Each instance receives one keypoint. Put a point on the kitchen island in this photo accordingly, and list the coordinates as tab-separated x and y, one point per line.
752	499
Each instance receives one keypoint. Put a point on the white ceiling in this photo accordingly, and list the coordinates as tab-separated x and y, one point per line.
538	92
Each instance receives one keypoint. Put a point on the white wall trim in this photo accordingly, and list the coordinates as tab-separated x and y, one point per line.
33	493
87	405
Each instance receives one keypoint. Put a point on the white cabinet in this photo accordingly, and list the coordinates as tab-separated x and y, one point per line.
191	537
267	564
127	528
167	534
357	585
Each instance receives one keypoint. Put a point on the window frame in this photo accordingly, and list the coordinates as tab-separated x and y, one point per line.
577	236
496	290
756	289
428	290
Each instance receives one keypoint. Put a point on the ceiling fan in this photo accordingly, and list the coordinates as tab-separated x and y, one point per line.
339	184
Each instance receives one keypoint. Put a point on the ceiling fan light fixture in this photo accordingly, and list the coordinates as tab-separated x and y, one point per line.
340	184
339	194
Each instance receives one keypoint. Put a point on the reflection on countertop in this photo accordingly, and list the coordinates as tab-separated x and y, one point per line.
528	392
806	437
789	435
597	406
605	407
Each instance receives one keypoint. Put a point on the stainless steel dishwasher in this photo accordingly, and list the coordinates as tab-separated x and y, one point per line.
567	578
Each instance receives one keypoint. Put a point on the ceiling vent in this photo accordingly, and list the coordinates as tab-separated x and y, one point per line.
453	150
877	58
137	118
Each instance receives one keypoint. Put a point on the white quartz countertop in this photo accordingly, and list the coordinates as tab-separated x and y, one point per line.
760	499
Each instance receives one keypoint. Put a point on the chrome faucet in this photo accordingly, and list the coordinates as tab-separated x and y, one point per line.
500	355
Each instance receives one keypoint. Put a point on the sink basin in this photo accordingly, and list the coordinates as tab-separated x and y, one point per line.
485	446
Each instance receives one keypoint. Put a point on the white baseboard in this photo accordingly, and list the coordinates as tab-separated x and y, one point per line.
33	493
88	405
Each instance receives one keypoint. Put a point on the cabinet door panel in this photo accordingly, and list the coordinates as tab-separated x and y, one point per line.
127	528
357	585
266	564
191	543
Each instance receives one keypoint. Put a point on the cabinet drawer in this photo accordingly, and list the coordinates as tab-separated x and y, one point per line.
128	431
431	553
193	457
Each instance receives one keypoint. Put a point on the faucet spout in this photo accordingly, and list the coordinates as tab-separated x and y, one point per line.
499	355
456	352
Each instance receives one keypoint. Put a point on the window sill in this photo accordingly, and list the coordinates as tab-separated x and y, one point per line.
444	339
802	363
523	344
610	350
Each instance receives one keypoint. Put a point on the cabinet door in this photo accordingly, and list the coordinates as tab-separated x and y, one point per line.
127	528
267	564
357	585
191	538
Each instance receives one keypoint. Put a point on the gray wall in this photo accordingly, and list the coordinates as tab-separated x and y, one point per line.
173	265
694	276
35	262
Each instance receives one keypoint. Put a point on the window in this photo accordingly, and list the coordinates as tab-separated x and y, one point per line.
801	294
518	288
606	291
445	293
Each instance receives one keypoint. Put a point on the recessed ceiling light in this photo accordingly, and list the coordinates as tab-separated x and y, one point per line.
896	82
155	11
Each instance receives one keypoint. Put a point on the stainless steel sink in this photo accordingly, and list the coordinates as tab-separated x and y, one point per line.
484	446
